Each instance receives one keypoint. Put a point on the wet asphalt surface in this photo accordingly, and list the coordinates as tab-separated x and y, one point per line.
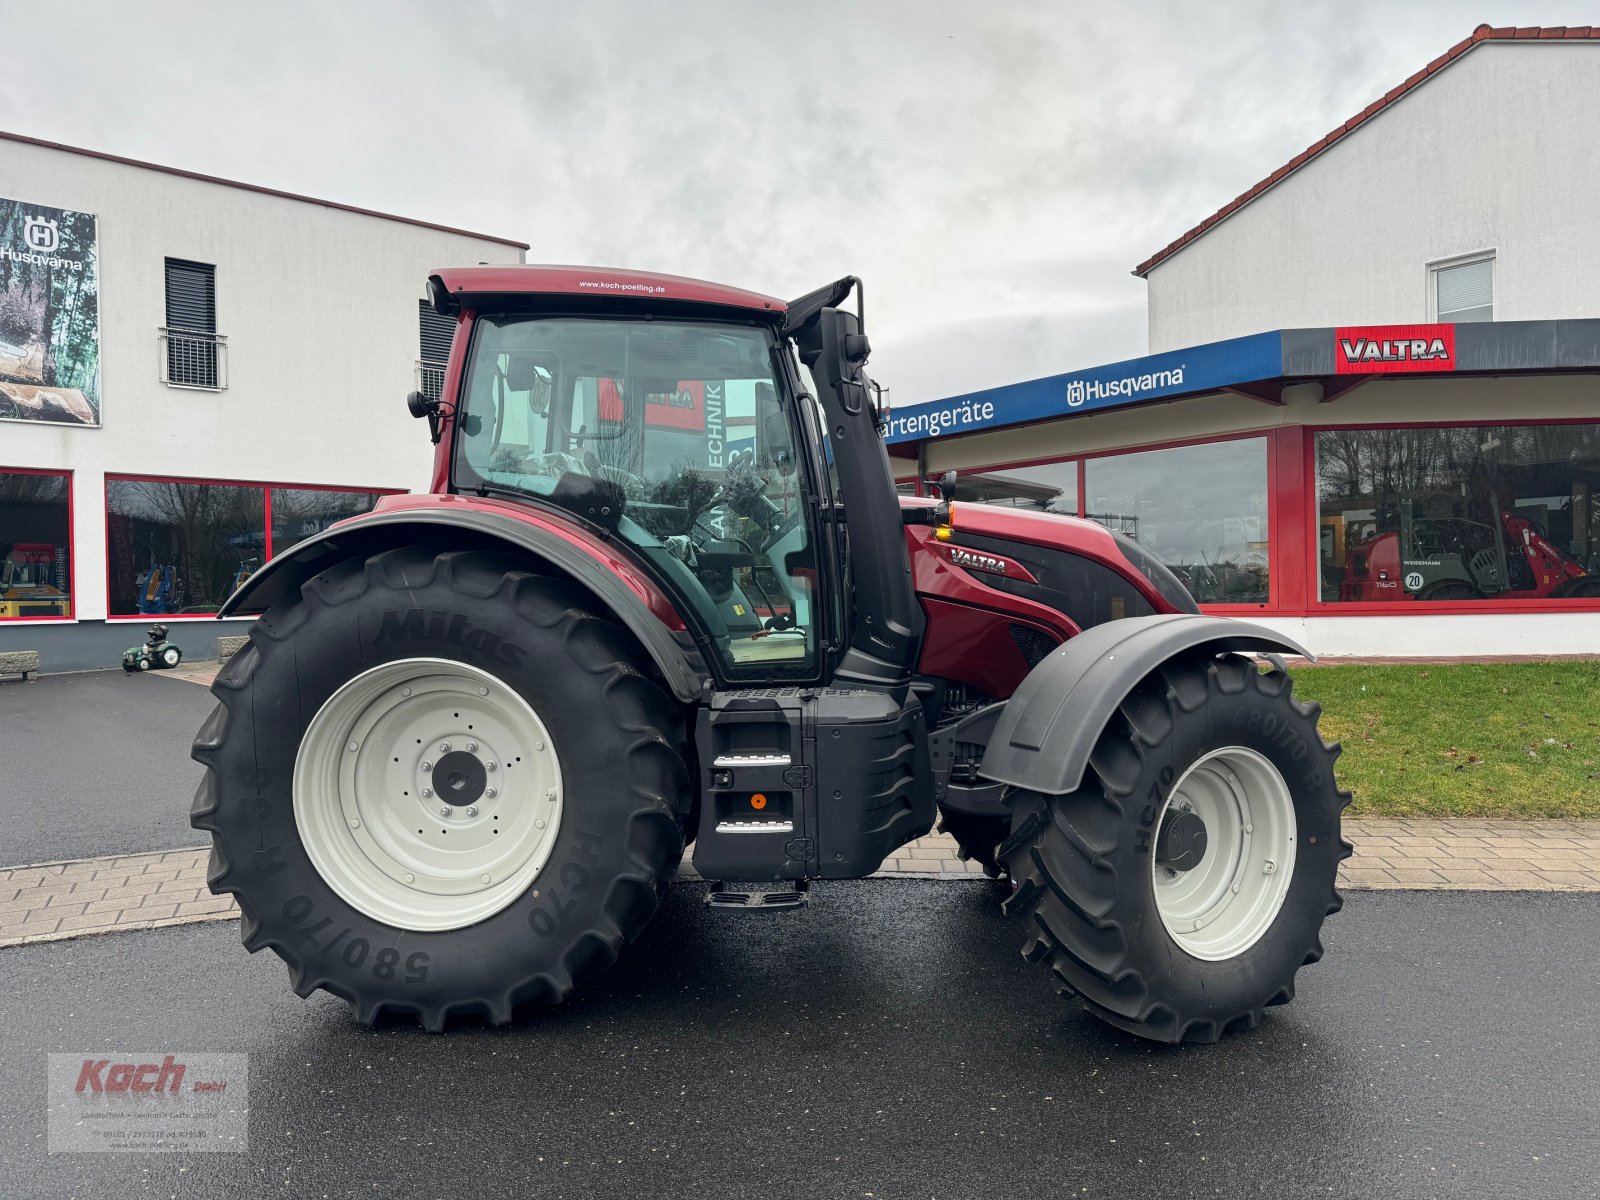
97	763
889	1042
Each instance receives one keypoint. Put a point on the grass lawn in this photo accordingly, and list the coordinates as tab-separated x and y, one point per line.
1464	740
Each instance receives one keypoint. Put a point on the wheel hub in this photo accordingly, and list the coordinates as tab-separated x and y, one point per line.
1181	844
459	778
427	793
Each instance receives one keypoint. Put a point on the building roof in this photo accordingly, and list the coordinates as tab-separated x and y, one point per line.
1483	33
253	187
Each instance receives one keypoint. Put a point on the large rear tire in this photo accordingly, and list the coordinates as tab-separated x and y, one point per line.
1156	930
441	784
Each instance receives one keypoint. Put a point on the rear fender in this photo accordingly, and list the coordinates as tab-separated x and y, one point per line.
1043	738
619	589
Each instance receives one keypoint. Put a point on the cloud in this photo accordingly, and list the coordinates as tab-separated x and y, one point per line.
993	172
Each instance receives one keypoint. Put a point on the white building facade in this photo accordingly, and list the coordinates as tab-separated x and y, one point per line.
1490	158
1370	416
194	374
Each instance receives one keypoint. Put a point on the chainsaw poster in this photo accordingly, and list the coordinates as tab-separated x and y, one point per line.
49	315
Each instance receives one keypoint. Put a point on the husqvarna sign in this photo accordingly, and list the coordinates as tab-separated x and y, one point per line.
1195	369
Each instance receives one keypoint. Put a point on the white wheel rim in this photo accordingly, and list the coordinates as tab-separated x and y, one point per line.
1222	906
427	862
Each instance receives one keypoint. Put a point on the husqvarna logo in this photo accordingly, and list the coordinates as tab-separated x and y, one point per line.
41	234
1081	391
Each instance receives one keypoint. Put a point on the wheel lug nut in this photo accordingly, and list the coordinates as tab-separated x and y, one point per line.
426	765
444	810
410	878
406	692
483	691
354	824
489	766
472	810
352	747
1269	867
538	745
538	824
444	747
1236	887
472	746
426	792
491	793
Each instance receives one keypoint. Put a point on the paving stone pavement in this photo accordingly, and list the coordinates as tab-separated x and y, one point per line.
52	901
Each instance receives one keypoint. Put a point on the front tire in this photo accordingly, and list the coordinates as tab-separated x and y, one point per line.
377	894
1156	931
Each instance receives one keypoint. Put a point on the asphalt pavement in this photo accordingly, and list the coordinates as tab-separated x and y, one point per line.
889	1042
97	763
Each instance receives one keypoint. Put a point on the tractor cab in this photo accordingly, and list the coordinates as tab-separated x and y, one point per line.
670	438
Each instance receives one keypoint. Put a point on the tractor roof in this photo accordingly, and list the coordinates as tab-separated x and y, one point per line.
463	284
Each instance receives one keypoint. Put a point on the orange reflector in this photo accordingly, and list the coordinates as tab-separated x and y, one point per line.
758	801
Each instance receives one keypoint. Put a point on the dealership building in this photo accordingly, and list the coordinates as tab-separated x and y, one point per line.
195	374
1370	414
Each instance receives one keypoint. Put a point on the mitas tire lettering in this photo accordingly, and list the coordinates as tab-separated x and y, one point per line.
615	727
434	625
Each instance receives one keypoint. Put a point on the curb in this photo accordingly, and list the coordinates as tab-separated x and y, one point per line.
71	898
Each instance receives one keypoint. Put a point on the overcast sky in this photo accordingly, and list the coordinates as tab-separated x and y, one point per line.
992	170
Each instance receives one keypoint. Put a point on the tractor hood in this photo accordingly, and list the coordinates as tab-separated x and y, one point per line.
1023	528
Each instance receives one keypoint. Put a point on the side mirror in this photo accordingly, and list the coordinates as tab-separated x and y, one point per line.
844	352
422	405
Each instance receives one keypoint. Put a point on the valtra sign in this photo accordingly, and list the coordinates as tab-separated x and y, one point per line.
1393	349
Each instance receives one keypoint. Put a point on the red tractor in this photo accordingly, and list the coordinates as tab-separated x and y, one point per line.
1453	558
663	595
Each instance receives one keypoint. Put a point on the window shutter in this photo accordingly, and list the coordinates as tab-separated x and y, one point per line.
1465	290
191	296
435	332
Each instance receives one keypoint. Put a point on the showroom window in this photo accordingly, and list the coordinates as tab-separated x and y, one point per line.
298	513
179	547
1201	509
1463	290
1464	514
35	544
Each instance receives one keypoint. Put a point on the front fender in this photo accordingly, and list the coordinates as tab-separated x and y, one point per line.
470	528
1043	738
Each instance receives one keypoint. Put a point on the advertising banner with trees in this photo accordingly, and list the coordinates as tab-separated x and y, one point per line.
49	315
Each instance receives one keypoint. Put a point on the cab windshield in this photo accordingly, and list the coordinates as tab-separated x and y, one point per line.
670	435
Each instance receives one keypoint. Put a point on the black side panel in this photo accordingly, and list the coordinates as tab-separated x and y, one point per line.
1045	732
1078	587
801	783
469	529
